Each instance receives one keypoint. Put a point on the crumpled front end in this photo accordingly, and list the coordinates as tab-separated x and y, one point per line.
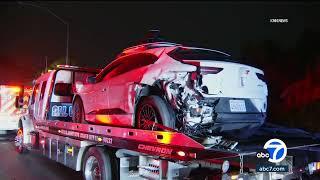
200	115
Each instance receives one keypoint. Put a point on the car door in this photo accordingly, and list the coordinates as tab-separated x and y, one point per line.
41	109
111	88
130	71
33	106
86	89
95	97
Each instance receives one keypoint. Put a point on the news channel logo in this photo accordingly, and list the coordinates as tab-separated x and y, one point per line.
276	151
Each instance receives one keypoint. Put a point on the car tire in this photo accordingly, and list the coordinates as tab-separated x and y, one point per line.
78	115
157	105
98	163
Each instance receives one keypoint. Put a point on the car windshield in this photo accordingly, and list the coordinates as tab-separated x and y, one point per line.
182	53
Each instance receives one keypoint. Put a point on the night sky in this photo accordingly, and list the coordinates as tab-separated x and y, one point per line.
100	30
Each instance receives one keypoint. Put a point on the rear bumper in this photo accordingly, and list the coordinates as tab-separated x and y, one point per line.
241	118
252	114
239	124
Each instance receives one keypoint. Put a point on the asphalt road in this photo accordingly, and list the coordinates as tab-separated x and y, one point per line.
30	166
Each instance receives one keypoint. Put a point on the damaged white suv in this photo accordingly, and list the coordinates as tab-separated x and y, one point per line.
200	92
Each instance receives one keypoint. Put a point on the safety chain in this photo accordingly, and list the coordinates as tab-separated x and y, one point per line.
241	163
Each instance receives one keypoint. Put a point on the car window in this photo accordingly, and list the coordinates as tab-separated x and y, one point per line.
181	53
131	62
34	93
139	60
115	71
107	69
43	88
82	76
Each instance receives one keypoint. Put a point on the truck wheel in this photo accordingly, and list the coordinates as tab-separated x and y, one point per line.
99	164
153	109
19	141
78	111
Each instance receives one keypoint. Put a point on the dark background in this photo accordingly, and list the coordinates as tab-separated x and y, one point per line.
287	52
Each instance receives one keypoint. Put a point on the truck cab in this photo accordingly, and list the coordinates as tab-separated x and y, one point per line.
52	93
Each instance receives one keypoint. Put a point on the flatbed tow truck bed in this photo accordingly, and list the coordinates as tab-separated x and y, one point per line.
160	143
53	138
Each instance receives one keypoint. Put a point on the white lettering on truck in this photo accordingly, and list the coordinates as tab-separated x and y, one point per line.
155	149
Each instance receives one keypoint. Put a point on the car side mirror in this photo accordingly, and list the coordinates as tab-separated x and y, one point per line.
63	89
91	79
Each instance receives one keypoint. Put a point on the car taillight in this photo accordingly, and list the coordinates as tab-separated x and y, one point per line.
210	70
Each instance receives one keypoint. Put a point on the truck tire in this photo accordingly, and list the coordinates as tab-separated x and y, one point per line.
78	114
100	164
153	108
19	141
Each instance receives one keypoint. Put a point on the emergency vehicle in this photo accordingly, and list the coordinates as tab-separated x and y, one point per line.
9	113
109	152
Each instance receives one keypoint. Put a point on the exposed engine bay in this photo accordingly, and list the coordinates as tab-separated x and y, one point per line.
195	115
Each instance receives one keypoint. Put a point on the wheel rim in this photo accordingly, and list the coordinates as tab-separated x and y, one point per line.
19	140
147	117
92	169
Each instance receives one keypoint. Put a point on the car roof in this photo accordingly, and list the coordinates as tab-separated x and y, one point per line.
205	49
77	68
148	46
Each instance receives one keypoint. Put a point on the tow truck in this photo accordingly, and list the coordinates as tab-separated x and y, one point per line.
108	152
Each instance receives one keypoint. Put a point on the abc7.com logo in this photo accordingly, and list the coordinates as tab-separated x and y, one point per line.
276	151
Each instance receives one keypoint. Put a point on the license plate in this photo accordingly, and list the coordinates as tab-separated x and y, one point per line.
237	106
